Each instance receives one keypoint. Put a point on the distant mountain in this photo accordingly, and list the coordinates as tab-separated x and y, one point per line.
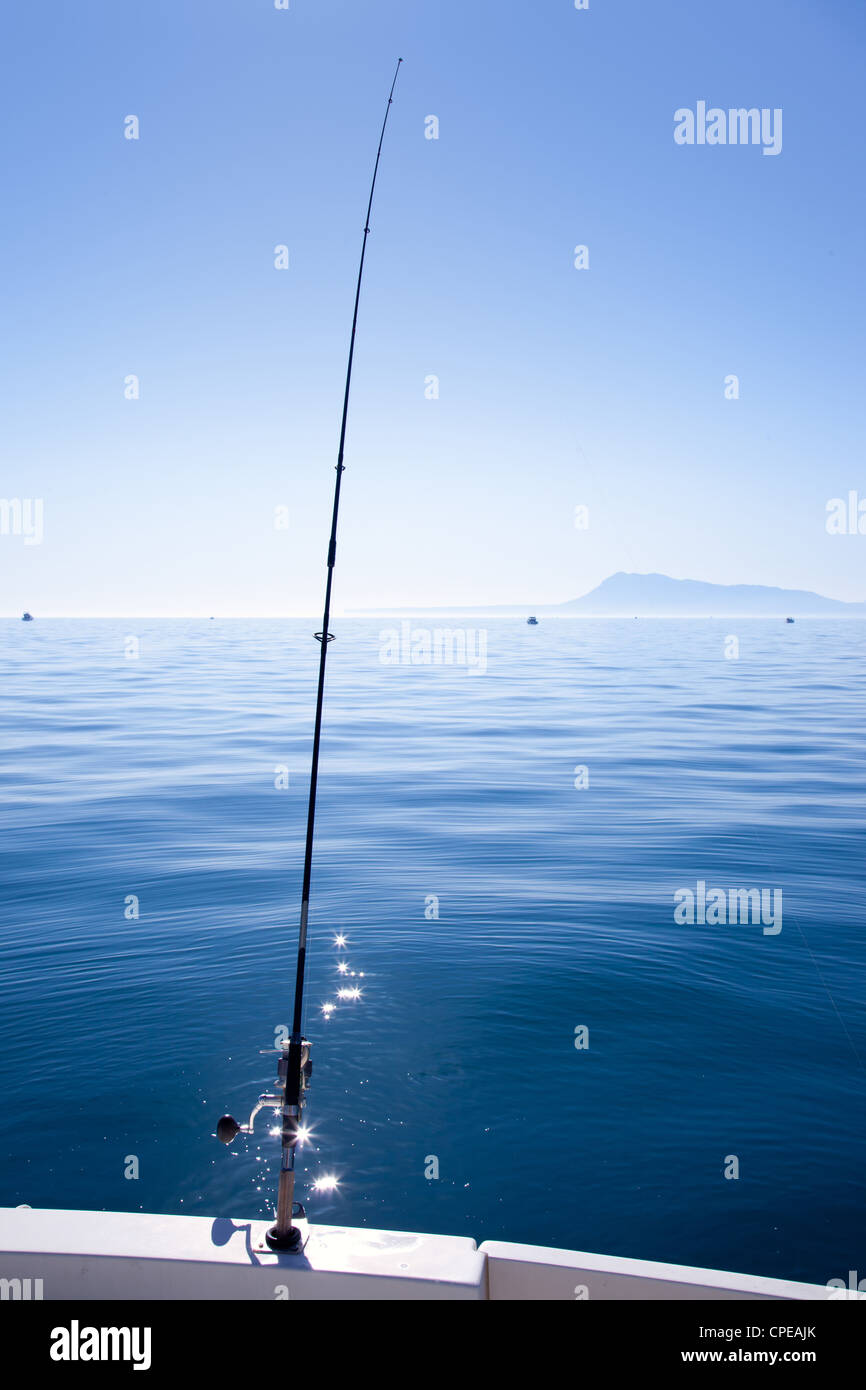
647	595
659	596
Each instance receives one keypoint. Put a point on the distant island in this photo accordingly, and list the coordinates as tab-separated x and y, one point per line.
657	595
625	595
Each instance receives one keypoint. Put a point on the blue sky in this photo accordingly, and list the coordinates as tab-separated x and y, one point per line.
558	387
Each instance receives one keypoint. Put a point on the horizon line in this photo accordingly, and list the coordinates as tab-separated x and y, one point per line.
406	613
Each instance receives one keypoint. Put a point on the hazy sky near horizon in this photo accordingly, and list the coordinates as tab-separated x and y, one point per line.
558	387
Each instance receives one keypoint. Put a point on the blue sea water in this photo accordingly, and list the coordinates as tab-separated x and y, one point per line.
155	777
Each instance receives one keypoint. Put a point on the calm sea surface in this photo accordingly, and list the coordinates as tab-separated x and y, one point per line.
155	777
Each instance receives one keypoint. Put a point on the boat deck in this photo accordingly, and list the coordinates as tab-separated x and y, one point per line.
78	1255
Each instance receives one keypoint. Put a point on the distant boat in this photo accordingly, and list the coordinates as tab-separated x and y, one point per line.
789	620
533	622
27	617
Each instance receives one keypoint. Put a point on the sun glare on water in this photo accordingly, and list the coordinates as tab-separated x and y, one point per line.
327	1183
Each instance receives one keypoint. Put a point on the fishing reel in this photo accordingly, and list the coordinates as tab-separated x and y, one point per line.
228	1128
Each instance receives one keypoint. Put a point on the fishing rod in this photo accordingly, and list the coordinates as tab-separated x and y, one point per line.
294	1065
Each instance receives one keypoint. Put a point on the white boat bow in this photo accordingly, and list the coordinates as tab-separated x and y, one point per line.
75	1255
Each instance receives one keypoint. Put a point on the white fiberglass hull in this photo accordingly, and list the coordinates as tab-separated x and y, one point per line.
72	1255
